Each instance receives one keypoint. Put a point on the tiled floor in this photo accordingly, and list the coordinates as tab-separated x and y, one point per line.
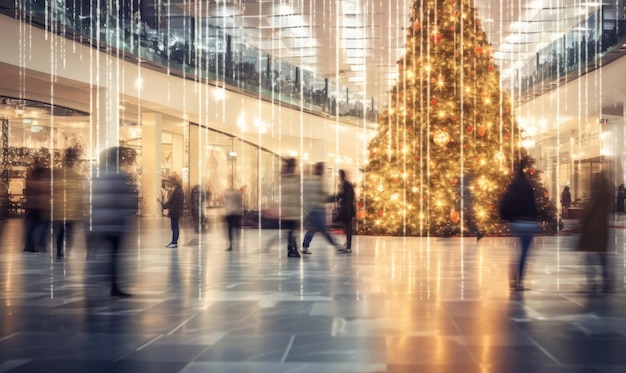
394	305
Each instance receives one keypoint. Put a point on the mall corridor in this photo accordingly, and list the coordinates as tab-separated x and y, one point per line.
394	305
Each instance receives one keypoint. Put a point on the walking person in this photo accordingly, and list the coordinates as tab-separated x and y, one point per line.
290	205
37	209
594	238
114	202
566	201
233	209
175	207
315	197
518	207
468	208
347	210
197	209
68	201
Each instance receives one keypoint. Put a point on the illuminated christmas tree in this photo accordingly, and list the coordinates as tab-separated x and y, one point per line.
448	135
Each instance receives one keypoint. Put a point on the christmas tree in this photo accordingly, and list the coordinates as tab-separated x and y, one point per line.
447	143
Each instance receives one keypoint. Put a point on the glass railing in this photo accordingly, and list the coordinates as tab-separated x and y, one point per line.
182	45
575	52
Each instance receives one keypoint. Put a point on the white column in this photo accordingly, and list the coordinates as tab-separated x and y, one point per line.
150	163
178	157
106	118
196	156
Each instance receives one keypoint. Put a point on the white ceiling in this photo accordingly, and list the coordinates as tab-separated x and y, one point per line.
357	42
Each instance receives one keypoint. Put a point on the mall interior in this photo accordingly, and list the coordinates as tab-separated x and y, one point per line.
220	93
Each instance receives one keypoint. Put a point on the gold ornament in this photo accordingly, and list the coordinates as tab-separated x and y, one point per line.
441	138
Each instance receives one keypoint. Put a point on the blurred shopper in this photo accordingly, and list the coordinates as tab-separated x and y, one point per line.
518	207
233	209
68	201
290	205
197	209
37	209
468	208
114	202
314	199
594	238
175	207
347	210
619	206
566	201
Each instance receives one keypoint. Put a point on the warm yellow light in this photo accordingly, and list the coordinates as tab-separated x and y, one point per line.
380	187
414	189
394	197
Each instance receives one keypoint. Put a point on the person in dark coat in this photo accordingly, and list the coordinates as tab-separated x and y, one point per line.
566	201
37	210
594	238
518	207
114	202
347	210
175	206
197	209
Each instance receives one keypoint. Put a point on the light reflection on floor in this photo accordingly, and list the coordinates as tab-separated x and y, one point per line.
395	305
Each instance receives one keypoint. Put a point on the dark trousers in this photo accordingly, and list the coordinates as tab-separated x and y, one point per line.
35	233
593	261
63	234
525	231
347	227
232	222
175	228
317	224
290	227
115	241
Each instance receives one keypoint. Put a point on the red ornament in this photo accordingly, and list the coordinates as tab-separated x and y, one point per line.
464	146
416	26
435	37
454	216
425	197
359	205
490	67
478	50
469	128
380	213
433	101
531	171
453	181
451	28
481	131
454	118
416	158
372	152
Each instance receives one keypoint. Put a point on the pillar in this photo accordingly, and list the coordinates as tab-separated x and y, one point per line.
150	163
196	157
106	118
